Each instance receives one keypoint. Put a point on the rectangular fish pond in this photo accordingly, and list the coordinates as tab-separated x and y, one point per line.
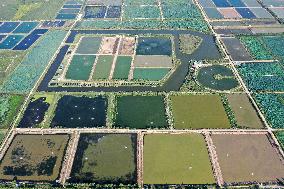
34	158
105	159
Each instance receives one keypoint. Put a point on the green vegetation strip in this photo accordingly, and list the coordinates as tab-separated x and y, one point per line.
9	105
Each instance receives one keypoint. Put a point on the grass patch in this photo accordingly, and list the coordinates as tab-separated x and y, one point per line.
29	9
189	43
176	159
25	9
8	57
199	111
9	106
140	112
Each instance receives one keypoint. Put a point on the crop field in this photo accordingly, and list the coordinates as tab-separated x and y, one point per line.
105	158
9	107
280	136
29	9
264	47
140	112
176	159
24	77
34	158
272	105
80	112
266	76
245	114
198	111
242	158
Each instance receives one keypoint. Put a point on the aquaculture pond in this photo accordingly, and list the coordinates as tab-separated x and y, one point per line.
35	112
217	77
73	112
154	46
140	112
207	50
105	159
176	159
34	158
241	158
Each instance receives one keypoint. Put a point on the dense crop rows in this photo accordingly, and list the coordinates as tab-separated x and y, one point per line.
193	24
263	76
273	107
265	47
280	136
256	47
26	75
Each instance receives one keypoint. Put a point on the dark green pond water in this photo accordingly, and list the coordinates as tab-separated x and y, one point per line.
217	77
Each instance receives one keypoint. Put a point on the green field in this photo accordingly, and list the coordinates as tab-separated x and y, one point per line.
140	112
8	57
80	67
189	43
122	67
29	9
103	67
2	135
198	111
9	106
150	74
34	158
176	159
105	158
